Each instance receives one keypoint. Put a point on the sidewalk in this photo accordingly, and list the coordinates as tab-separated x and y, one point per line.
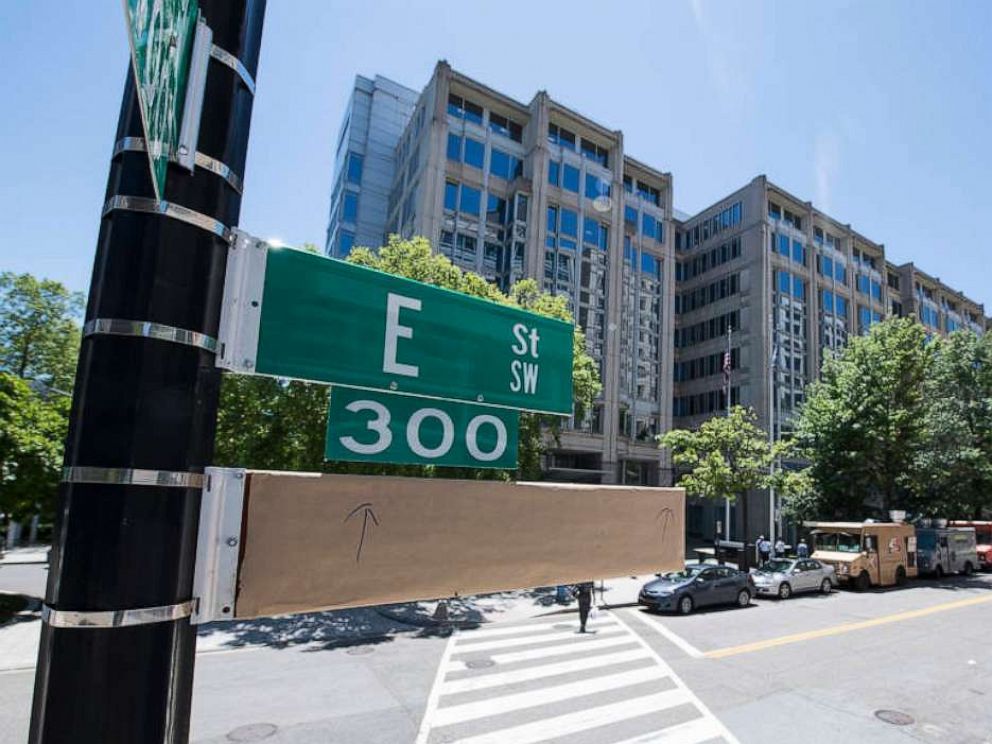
25	556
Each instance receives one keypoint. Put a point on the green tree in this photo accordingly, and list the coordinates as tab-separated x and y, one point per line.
726	457
863	426
247	434
32	432
955	465
39	330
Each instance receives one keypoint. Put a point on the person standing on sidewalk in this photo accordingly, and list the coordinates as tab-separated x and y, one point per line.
583	593
764	550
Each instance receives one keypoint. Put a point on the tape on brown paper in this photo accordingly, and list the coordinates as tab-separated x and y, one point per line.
313	542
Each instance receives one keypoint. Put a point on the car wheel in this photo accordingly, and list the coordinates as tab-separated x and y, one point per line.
743	598
784	590
864	581
826	587
685	605
939	572
968	568
900	576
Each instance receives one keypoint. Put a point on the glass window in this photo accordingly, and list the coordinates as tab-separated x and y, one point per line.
355	168
840	273
784	282
630	215
570	178
471	200
604	237
500	164
495	209
649	225
876	290
473	112
450	195
774	211
475	152
840	307
454	147
783	245
456	106
798	288
826	266
827	301
735	214
345	241
596	187
649	265
552	219
349	212
554	172
569	223
798	252
590	230
863	284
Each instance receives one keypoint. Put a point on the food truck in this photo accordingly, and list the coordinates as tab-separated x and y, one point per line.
867	554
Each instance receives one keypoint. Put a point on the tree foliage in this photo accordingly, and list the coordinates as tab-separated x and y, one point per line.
955	465
725	457
39	331
281	424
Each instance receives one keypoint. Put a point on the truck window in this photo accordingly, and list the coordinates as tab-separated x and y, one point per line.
842	542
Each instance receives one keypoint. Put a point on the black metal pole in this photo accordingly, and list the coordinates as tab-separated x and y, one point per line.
149	404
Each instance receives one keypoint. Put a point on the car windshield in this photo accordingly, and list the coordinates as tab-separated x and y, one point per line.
687	573
842	542
776	567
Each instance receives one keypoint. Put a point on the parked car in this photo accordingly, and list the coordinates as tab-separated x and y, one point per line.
697	585
784	577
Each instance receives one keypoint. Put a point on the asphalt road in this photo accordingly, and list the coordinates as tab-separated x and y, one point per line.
812	669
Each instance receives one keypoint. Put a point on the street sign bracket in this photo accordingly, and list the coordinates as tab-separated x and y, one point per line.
218	545
241	309
196	85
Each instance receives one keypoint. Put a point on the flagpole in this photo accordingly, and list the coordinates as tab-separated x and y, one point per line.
727	380
772	360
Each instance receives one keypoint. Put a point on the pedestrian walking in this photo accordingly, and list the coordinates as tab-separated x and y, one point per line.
780	548
583	593
802	549
764	550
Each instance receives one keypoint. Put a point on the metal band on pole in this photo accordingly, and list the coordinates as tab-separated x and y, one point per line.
167	209
115	618
226	58
138	144
147	329
133	477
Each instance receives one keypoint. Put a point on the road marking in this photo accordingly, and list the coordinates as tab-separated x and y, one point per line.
528	629
573	723
724	731
499	679
676	640
747	648
559	649
567	635
425	722
690	732
517	701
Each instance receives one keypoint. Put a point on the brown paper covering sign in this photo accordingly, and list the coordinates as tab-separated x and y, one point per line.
314	542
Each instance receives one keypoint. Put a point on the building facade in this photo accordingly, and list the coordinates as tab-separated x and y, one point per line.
377	114
512	190
779	284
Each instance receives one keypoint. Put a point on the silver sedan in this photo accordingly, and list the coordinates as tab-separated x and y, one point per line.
783	577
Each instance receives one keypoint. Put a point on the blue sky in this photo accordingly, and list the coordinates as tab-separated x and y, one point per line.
878	112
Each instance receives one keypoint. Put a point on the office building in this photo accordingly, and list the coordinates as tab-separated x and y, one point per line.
377	114
510	190
780	284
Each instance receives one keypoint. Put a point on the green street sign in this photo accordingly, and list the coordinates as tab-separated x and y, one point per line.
302	316
160	34
363	426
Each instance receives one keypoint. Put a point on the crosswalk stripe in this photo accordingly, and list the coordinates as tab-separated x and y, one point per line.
498	679
487	633
558	649
691	732
569	635
445	716
571	723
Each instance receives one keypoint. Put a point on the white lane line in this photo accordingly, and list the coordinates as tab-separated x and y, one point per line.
724	731
565	635
487	633
572	723
544	696
676	640
425	722
690	732
559	649
499	679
